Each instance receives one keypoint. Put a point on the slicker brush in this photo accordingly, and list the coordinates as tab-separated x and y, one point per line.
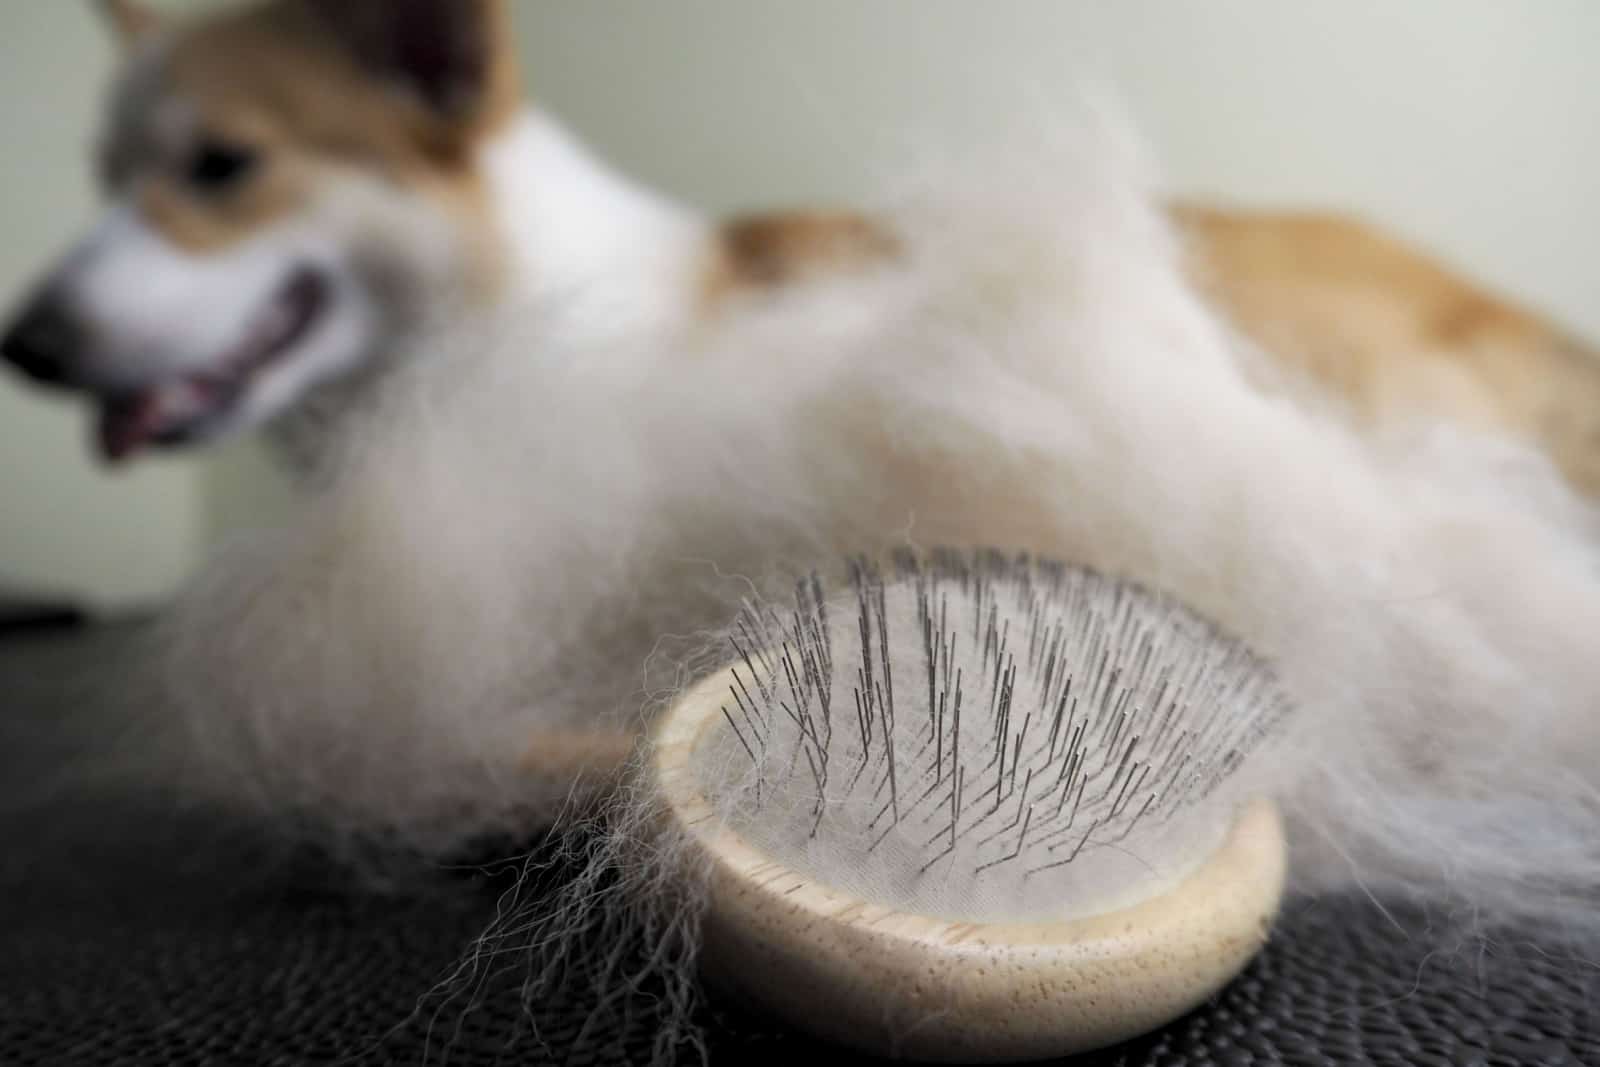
979	809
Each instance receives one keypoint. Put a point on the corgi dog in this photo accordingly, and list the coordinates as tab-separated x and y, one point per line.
559	428
295	188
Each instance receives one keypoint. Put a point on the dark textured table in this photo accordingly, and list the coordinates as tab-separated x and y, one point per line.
132	935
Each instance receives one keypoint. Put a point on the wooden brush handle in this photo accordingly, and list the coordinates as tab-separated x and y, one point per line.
924	987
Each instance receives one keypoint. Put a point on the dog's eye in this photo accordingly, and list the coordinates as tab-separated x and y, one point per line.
217	165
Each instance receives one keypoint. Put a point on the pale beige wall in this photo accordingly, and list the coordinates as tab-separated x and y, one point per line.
1472	126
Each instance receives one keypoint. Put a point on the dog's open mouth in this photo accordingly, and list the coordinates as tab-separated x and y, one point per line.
182	409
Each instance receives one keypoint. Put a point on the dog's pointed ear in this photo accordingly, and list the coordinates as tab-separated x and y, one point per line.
130	19
456	56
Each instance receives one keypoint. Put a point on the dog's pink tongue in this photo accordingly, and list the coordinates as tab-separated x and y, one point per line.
158	414
128	424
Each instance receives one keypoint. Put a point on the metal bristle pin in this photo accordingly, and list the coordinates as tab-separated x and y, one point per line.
981	808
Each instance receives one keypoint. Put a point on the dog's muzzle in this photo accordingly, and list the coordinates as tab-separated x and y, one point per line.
44	342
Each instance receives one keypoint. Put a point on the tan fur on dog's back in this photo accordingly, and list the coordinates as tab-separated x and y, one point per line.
761	251
1395	333
1388	330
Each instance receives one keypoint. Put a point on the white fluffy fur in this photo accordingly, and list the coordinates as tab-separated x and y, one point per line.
533	529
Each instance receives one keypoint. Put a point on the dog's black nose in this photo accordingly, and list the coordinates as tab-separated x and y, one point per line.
43	342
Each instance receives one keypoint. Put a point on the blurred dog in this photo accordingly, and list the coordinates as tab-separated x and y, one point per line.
561	428
297	188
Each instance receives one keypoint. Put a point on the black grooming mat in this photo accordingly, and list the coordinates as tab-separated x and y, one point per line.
20	613
198	978
129	936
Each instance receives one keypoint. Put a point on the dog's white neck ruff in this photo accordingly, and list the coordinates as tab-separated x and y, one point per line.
589	261
588	249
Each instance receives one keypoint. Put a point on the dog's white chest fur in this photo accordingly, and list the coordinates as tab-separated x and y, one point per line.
590	253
